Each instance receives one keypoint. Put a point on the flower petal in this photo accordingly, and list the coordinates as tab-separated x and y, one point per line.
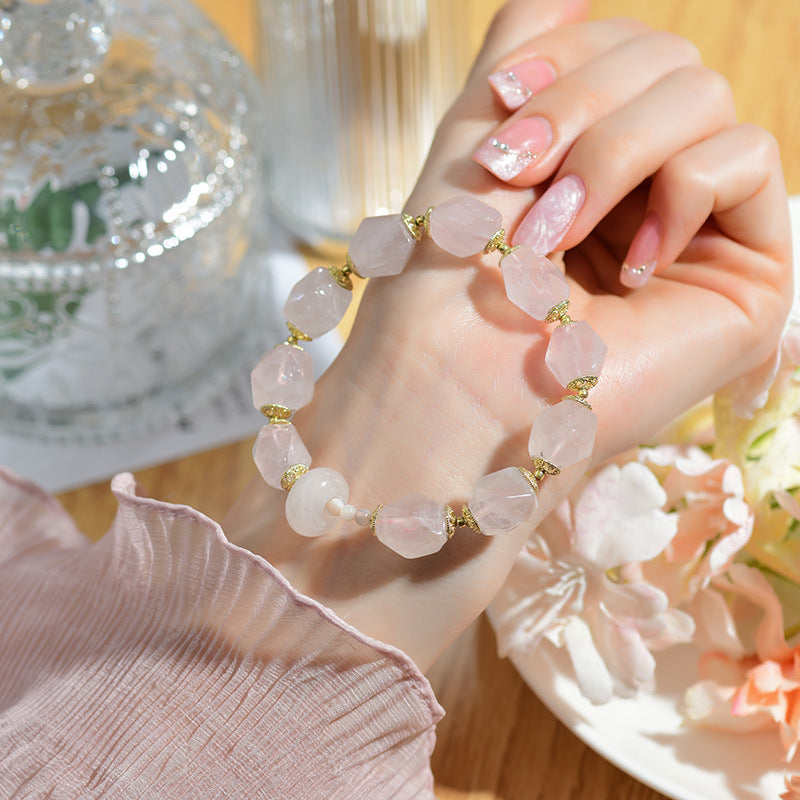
537	596
751	584
708	704
632	600
591	673
626	656
787	502
618	517
716	629
677	627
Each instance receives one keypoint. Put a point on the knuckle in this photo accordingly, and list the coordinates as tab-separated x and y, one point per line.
680	171
588	102
618	152
760	143
712	87
628	25
678	48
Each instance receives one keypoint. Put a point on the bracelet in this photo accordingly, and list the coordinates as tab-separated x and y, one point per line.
283	381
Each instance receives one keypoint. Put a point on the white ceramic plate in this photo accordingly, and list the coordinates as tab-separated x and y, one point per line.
645	736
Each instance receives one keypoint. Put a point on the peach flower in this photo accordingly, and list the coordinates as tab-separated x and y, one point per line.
758	691
706	496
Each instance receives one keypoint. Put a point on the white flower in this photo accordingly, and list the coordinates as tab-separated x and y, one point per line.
562	586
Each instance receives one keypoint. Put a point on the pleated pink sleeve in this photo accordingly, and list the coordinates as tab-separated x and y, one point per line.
165	662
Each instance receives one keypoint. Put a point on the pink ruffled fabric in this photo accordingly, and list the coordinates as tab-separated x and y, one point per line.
165	662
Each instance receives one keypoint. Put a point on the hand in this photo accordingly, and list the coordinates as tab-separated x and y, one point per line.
442	375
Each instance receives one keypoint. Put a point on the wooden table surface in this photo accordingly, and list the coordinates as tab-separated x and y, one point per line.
498	740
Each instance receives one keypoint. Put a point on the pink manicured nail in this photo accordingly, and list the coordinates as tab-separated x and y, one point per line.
545	224
517	84
514	149
642	258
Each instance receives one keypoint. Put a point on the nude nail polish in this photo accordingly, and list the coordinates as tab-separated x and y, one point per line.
515	85
642	258
545	225
514	149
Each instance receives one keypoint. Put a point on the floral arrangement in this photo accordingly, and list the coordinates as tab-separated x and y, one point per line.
693	539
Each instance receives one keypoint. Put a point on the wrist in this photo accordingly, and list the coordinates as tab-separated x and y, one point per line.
361	424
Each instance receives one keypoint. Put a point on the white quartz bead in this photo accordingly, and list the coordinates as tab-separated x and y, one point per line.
278	447
306	503
533	282
563	434
502	501
284	377
413	526
381	246
464	225
317	303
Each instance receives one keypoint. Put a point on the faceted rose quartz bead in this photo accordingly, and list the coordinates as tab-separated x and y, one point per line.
463	225
413	526
381	246
277	448
563	434
317	303
305	504
533	282
575	351
283	377
501	501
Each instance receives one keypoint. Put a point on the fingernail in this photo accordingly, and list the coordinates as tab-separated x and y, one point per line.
517	84
545	224
642	258
514	149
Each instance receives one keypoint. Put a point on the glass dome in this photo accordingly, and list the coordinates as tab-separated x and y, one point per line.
128	177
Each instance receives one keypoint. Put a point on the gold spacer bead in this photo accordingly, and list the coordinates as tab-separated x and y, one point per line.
342	276
583	384
559	314
545	467
450	521
413	225
468	520
506	250
276	414
373	517
296	335
578	399
349	267
530	477
498	242
291	475
424	221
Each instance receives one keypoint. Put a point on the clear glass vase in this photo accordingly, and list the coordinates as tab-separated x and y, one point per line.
128	200
354	90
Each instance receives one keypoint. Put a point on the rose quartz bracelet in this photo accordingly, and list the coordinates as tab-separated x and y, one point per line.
283	381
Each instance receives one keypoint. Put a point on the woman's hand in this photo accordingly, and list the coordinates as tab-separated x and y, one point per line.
664	180
442	376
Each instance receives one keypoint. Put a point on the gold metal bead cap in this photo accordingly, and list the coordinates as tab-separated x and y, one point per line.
291	475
